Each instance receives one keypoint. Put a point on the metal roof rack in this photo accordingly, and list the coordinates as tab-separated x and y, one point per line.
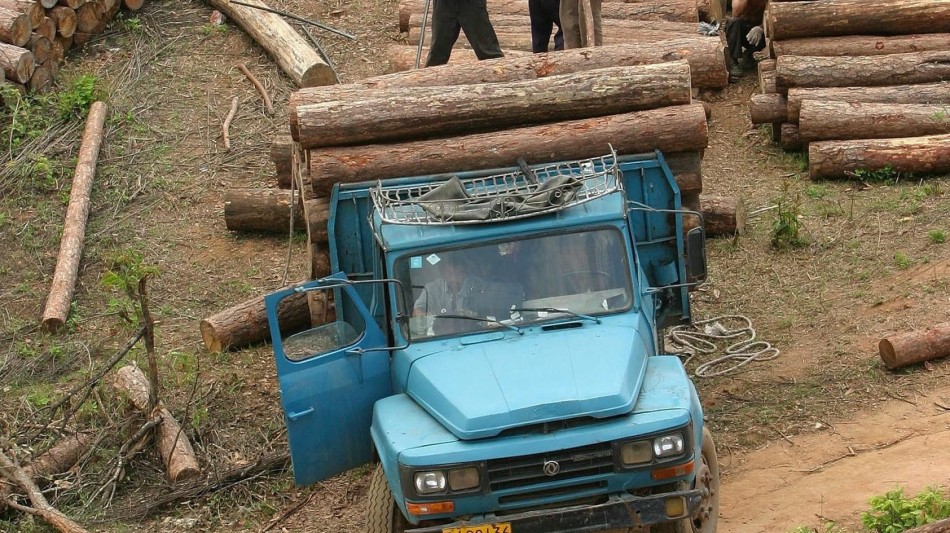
511	195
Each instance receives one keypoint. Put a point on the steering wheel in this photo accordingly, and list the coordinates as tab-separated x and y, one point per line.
573	279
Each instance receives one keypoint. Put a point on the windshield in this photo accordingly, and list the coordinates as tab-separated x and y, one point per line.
515	283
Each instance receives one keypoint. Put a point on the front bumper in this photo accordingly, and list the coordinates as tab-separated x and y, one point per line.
621	511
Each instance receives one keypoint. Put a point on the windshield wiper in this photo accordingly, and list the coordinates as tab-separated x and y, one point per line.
556	310
483	319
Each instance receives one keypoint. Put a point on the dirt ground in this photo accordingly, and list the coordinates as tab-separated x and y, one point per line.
803	439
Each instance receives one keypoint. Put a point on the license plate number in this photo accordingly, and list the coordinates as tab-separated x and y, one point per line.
503	527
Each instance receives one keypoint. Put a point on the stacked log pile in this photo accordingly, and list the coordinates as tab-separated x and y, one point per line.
35	35
661	27
858	84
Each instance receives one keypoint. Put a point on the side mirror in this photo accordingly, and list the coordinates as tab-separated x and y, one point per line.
696	254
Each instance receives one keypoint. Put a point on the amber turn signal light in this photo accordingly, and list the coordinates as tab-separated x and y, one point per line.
422	509
673	471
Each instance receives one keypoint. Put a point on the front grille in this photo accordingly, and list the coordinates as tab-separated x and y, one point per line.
550	493
528	470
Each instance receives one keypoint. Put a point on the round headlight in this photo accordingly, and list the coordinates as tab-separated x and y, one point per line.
463	478
668	445
635	453
429	482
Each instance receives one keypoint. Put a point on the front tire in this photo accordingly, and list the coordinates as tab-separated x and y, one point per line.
707	477
382	515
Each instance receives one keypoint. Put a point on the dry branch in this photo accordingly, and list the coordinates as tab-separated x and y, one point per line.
227	124
260	88
70	251
41	507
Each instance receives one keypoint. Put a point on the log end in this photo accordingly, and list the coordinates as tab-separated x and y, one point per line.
183	472
25	67
20	30
211	340
740	216
133	5
318	75
888	355
52	323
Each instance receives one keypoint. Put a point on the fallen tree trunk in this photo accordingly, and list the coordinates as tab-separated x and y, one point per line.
789	20
56	460
669	129
266	210
833	120
723	215
790	139
406	113
838	159
41	506
929	93
291	51
706	58
15	27
915	346
282	155
172	443
940	526
17	63
862	45
246	323
767	108
861	71
74	229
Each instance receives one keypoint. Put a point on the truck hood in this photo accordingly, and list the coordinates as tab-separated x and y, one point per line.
480	390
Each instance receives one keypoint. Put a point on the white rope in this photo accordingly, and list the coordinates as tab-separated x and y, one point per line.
699	338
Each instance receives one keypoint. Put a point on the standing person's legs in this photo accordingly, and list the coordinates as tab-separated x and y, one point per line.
552	9
570	23
445	31
541	26
473	16
595	11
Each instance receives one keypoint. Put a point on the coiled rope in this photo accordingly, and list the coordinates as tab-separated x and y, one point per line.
699	338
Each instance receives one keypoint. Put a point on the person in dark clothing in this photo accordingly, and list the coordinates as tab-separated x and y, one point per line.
470	16
544	15
744	33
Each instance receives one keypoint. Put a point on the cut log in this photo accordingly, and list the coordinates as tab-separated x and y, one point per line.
15	27
403	57
711	10
674	11
74	229
33	10
172	443
56	460
408	8
42	79
317	212
282	155
833	120
861	71
47	28
940	526
928	93
110	8
17	63
790	139
264	210
515	38
88	16
706	58
862	45
790	20
920	155
766	108
246	323
133	5
40	47
291	51
687	170
916	346
669	129
767	82
405	113
723	215
74	4
515	23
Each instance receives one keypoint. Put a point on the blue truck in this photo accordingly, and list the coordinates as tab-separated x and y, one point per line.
496	352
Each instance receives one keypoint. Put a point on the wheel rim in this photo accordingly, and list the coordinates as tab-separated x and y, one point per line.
705	520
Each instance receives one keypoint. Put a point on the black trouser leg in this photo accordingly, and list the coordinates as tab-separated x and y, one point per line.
541	26
473	16
445	31
736	30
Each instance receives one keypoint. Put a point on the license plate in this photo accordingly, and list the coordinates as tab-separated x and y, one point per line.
503	527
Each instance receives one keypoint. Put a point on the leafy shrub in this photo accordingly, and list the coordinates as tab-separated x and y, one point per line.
786	227
894	512
937	236
75	101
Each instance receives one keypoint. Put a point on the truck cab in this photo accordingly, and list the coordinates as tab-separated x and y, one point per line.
496	351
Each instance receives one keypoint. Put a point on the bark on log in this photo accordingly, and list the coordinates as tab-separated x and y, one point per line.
15	27
316	212
790	139
674	11
246	323
172	443
40	47
669	129
408	8
861	71
88	16
33	10
836	159
767	82
862	45
789	20
17	63
282	155
711	10
915	346
927	93
41	506
56	460
766	108
70	250
390	114
292	52
514	38
940	526
41	80
520	22
723	215
265	210
403	57
832	120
